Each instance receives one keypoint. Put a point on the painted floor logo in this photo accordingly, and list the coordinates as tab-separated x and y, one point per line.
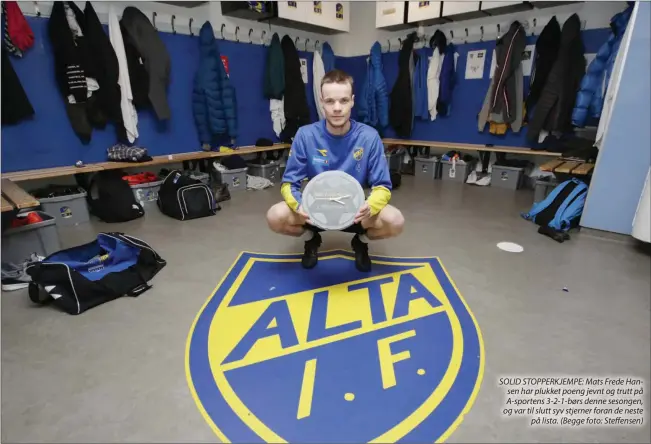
284	354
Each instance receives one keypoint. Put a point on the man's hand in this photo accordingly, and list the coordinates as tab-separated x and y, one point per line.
363	214
303	215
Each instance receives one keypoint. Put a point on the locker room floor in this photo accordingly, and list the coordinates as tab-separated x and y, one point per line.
116	373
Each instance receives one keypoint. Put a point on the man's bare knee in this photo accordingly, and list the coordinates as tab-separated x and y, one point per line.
395	222
277	217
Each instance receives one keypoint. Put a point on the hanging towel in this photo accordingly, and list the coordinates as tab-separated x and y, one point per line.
129	114
318	71
276	107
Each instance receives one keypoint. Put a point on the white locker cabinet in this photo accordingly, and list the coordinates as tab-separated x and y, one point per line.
504	7
389	14
296	10
451	8
422	11
329	14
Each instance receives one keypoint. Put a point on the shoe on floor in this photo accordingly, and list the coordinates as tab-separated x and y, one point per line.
362	261
311	254
14	276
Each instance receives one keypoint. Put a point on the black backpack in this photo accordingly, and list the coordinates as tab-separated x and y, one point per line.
110	198
184	198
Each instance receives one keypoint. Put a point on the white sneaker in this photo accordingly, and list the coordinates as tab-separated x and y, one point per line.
472	178
14	276
484	181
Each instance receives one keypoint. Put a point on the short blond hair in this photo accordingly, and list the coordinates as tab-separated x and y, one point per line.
337	76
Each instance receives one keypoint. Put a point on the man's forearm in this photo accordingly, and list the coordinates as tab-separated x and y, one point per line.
378	199
291	194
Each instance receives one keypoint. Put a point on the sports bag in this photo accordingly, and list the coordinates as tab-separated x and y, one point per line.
184	198
110	198
85	276
561	210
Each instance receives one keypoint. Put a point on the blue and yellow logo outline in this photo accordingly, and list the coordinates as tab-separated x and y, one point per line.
463	377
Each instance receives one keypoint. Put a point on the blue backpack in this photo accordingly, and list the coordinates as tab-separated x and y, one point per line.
561	210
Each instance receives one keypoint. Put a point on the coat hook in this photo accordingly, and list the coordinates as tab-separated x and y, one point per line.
190	26
250	31
498	31
153	16
262	37
306	40
533	30
237	28
316	45
296	41
466	41
38	11
222	30
451	34
389	40
173	30
399	42
481	28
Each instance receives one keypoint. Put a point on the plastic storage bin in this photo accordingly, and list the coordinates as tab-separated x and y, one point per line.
146	193
269	169
235	179
41	238
426	169
506	177
542	188
68	210
459	173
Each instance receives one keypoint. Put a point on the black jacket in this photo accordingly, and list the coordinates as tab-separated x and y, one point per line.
274	75
401	113
554	109
15	104
81	57
296	109
508	55
144	39
547	47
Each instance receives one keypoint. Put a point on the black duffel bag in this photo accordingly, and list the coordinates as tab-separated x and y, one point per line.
184	198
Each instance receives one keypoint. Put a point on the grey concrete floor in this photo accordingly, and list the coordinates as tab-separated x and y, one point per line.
116	373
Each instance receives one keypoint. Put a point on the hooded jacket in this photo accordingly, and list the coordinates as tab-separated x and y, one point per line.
590	98
373	105
547	47
554	110
214	102
328	57
86	69
296	109
146	41
401	113
274	77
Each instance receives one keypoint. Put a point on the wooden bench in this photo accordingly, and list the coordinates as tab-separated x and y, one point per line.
469	147
46	173
576	167
15	197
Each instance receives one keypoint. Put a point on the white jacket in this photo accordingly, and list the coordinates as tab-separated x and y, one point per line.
129	114
318	72
433	82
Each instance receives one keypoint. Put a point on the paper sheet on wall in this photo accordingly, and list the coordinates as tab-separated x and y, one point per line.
475	64
588	59
304	70
527	59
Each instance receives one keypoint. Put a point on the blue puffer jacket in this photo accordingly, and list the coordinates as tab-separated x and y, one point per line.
590	98
373	105
214	103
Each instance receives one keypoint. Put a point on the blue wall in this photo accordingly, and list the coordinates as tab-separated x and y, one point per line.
48	139
625	153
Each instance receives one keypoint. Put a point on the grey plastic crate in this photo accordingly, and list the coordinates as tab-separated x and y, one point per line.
41	238
542	188
506	177
426	169
460	172
146	193
68	210
235	179
270	169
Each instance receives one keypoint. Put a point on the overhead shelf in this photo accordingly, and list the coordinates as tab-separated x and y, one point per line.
324	17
